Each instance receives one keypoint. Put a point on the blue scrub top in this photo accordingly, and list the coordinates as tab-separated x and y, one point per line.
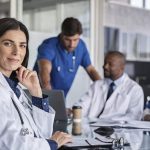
64	64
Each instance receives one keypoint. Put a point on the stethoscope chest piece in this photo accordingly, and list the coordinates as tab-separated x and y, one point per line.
24	131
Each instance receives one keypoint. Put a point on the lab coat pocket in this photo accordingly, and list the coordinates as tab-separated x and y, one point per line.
122	103
44	121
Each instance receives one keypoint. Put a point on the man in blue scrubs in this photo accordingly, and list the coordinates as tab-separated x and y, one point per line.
60	57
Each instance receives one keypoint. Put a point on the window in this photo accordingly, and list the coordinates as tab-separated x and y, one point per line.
137	3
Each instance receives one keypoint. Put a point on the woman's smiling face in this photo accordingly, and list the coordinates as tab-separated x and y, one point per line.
13	46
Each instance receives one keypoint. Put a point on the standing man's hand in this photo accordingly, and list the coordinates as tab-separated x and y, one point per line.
45	68
47	86
94	75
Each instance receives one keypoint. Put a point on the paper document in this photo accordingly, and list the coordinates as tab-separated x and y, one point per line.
86	142
123	124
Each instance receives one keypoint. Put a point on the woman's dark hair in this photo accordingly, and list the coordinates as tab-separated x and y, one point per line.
71	26
13	24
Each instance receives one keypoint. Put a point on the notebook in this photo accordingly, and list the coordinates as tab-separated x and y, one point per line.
57	102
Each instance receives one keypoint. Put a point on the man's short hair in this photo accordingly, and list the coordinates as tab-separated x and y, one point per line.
71	26
118	54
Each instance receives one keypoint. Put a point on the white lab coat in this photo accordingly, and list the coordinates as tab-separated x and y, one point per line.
36	120
125	103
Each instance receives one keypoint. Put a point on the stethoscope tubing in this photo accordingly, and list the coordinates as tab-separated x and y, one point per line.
20	116
19	113
24	131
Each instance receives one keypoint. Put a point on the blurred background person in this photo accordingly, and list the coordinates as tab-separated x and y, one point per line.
116	96
60	57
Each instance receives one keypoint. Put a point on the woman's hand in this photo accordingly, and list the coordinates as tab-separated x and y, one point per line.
61	138
29	79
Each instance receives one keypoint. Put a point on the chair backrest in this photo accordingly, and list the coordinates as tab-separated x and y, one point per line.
146	90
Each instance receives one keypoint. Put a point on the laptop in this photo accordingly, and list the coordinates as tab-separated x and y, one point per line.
57	102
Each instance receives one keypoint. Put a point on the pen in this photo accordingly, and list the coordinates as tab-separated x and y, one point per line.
92	122
88	142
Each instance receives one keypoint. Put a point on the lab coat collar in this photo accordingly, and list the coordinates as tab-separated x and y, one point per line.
4	82
119	83
6	85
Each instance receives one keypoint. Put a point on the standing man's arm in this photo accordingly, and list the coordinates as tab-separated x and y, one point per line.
94	75
45	68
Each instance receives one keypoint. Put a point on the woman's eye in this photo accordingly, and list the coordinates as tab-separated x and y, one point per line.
23	46
8	44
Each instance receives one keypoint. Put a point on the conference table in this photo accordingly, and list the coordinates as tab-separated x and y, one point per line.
135	135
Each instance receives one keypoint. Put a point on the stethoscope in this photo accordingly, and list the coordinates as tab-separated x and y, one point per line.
24	131
72	69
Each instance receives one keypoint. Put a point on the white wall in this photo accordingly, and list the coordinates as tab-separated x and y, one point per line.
35	40
79	87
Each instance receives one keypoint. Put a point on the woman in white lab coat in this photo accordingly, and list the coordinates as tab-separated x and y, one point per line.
24	124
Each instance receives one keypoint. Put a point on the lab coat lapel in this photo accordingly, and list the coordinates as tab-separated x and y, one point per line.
21	107
26	113
105	90
117	96
98	101
5	84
